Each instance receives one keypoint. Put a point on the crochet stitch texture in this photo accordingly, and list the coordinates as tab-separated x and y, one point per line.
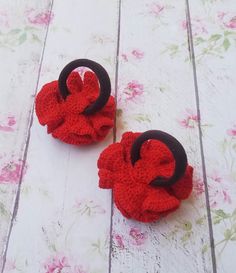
65	119
133	195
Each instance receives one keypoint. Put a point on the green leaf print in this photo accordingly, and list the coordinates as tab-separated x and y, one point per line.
14	31
215	37
205	248
227	234
3	210
187	225
226	44
199	40
142	118
119	112
18	36
22	38
229	224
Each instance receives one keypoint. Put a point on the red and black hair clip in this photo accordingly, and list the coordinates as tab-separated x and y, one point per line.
75	110
148	173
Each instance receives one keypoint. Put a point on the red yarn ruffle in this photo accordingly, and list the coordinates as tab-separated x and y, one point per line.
133	195
65	119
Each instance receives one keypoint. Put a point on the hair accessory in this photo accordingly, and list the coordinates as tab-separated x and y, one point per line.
148	173
75	110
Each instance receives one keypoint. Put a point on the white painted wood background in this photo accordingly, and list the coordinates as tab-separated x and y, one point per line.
172	67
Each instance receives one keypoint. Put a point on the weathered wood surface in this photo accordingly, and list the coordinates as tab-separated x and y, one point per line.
156	90
168	73
22	35
63	218
214	39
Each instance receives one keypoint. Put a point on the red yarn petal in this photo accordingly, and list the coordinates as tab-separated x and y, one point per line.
101	123
74	83
129	199
109	109
47	105
91	86
151	151
159	200
134	202
70	133
127	140
53	125
133	195
105	179
156	152
66	120
111	158
146	171
75	104
183	188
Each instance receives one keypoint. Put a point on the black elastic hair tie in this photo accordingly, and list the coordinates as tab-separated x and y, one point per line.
103	78
174	146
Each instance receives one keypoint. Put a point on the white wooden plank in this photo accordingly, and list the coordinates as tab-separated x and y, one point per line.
63	220
214	36
156	91
23	28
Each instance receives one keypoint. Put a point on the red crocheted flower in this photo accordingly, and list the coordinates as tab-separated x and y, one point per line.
133	194
65	119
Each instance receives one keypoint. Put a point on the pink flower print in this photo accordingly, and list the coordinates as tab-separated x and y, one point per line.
56	264
10	265
4	21
156	9
227	198
133	89
11	172
137	237
41	19
190	121
60	264
11	121
232	131
135	54
231	23
138	54
88	207
8	127
198	187
218	191
198	26
215	177
184	25
221	15
228	19
124	57
119	241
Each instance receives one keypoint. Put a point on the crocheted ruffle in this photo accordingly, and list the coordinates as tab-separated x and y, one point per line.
133	195
65	119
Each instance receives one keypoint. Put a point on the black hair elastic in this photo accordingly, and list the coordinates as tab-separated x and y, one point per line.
103	78
174	146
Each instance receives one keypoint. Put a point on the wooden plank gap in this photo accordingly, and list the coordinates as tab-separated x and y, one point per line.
204	172
115	124
26	145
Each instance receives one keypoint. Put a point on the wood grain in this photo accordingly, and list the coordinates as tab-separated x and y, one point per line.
172	68
214	48
63	217
156	91
21	45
